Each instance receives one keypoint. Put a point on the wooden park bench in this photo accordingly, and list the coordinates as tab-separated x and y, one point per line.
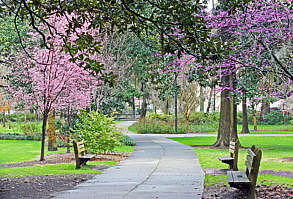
232	160
246	180
80	156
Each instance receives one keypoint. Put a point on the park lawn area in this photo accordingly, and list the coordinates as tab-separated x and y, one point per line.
22	150
53	169
25	150
273	149
15	127
261	127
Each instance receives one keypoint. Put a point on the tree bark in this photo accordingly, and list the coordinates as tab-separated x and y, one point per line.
52	145
133	107
210	100
144	103
45	118
68	128
254	122
223	137
244	116
202	99
233	114
265	109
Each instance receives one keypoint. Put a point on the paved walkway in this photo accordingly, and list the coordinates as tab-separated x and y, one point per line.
158	168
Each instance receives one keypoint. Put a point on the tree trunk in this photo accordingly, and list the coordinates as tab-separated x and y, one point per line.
210	100
244	116
233	114
133	107
225	120
45	118
68	128
4	119
52	145
264	110
144	103
254	122
202	99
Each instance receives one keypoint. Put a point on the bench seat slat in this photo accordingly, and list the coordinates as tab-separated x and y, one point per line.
225	158
237	177
87	156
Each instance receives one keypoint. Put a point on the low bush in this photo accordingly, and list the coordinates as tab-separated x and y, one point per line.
30	128
17	136
97	132
276	117
128	141
162	127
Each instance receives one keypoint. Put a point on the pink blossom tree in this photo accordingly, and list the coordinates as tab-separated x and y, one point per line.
50	81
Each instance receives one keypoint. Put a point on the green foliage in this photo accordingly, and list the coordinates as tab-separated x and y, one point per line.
204	118
21	117
30	128
275	117
17	136
97	132
128	141
160	123
158	116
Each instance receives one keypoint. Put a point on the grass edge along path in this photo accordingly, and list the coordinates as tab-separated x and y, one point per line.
273	150
27	150
53	169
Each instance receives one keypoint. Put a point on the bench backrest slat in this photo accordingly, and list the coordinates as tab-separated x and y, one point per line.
232	147
252	164
249	160
80	147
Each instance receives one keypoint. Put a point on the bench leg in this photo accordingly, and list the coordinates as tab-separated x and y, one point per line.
84	161
78	163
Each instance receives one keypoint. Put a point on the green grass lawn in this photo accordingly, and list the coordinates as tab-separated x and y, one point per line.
273	148
15	127
25	150
268	127
53	169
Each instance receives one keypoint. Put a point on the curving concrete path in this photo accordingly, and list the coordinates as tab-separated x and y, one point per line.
158	168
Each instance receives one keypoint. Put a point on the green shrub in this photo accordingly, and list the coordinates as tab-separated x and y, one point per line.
97	132
128	141
17	136
158	116
275	117
29	128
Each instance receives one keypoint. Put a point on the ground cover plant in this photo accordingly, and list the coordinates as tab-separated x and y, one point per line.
276	165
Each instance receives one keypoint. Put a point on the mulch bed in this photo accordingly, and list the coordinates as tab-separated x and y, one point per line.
262	192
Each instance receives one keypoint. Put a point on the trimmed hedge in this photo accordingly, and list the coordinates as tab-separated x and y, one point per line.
17	136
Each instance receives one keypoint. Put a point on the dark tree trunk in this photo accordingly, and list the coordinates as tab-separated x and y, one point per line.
175	104
244	116
210	100
45	118
225	118
133	107
144	103
68	128
4	119
254	122
233	132
265	109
